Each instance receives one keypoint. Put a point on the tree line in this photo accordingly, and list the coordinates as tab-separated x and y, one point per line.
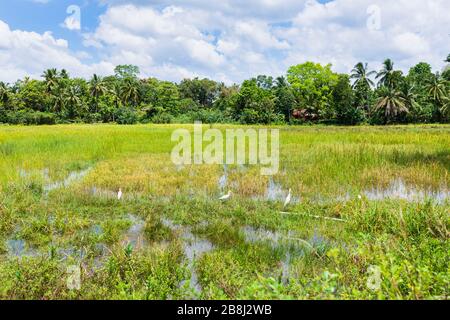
308	93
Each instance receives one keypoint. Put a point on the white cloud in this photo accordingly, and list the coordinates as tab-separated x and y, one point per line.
232	40
25	53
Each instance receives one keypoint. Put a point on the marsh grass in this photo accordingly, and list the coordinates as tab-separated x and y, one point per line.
82	222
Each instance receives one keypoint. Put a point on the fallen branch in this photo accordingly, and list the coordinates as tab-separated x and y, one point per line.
313	216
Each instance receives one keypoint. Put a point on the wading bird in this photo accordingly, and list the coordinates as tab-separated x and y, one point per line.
119	194
288	199
226	197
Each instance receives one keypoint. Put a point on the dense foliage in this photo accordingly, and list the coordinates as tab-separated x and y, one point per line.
309	93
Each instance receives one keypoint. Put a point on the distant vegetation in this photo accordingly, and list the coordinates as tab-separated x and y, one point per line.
309	93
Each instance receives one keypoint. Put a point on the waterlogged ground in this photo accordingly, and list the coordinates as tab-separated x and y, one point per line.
369	217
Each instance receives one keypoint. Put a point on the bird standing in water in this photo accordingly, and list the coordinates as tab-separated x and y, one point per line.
288	199
119	194
226	197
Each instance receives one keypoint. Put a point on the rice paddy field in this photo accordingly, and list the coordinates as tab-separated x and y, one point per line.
369	217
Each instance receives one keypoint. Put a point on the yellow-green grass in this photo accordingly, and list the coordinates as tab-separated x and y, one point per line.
314	160
408	241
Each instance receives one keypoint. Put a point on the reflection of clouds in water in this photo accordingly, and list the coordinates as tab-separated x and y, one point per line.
19	248
71	178
193	248
399	190
135	234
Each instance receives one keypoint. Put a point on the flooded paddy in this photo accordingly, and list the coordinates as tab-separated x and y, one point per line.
386	194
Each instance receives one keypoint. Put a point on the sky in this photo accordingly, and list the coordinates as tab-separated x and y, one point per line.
226	40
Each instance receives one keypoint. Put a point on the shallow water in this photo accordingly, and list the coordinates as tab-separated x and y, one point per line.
19	248
275	191
135	234
97	192
254	235
398	189
97	230
286	268
71	178
72	252
193	247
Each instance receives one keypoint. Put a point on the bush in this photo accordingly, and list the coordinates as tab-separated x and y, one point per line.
30	117
162	118
127	116
203	115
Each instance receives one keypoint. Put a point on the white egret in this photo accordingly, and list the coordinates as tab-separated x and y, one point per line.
288	199
226	197
119	194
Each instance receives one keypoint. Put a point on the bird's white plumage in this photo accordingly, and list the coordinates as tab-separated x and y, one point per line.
288	198
226	197
119	195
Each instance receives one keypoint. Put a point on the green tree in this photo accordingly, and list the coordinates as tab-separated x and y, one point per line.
72	100
437	89
312	85
130	93
385	76
32	96
4	93
285	99
254	104
343	101
51	79
204	92
361	75
97	89
392	102
126	71
64	74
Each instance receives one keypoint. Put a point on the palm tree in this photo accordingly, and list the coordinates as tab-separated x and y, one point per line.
392	101
116	92
72	99
51	79
448	59
445	110
437	89
410	96
386	74
4	93
97	89
64	74
130	91
361	74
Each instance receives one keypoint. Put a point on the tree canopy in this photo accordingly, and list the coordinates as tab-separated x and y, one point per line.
308	93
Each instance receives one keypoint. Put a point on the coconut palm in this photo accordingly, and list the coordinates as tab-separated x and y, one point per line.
392	102
445	110
51	79
72	99
410	96
437	89
59	100
4	93
361	74
64	74
116	92
130	91
97	89
386	74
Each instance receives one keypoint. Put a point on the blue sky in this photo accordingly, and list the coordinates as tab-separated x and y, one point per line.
229	41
